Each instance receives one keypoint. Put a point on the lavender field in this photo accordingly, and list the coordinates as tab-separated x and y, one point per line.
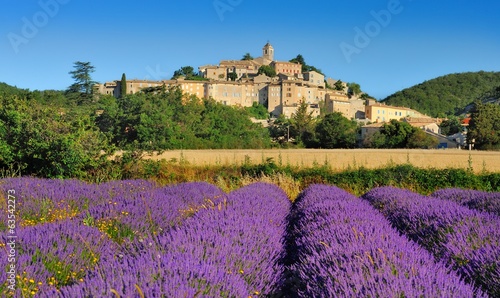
67	238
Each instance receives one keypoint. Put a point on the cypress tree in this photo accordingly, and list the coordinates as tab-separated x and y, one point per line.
123	86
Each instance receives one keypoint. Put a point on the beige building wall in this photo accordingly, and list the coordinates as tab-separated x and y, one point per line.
287	67
357	108
232	93
381	113
192	87
314	78
108	88
216	73
274	104
134	86
336	101
292	92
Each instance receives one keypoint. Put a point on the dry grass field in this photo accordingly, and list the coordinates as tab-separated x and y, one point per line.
341	159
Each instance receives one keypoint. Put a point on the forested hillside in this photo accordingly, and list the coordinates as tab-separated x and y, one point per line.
447	95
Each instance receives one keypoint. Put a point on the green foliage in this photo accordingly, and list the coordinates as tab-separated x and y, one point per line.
419	139
336	131
302	125
123	86
47	140
397	134
258	111
305	68
451	126
81	90
447	95
353	89
188	73
279	130
167	119
232	76
6	89
247	56
339	85
267	70
484	126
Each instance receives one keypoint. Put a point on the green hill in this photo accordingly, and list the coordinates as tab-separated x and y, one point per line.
8	89
449	94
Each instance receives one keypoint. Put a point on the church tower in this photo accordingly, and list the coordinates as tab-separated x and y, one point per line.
268	52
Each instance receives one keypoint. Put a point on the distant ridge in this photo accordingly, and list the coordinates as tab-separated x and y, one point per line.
8	89
448	95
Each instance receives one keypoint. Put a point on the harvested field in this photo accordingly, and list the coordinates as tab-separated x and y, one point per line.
341	159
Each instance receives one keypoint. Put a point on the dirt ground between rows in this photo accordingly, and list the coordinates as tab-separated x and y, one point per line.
341	159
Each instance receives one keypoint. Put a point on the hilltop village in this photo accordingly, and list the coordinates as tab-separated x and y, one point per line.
238	83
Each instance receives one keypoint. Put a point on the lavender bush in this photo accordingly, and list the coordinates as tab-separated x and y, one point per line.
342	247
467	239
474	199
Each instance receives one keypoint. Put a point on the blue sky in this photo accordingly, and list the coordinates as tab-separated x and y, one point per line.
384	45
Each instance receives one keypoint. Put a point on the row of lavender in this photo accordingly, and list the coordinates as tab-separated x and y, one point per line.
473	199
342	247
95	224
135	239
231	249
468	240
180	241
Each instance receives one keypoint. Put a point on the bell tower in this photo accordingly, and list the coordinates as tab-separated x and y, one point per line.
268	51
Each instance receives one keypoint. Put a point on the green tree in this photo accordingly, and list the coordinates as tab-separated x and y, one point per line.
185	71
302	124
419	139
339	85
247	56
397	133
450	126
257	110
305	68
279	130
48	141
299	59
83	79
354	89
336	131
484	126
232	76
267	70
123	85
375	140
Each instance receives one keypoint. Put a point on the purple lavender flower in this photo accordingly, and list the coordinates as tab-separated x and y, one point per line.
342	247
466	239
